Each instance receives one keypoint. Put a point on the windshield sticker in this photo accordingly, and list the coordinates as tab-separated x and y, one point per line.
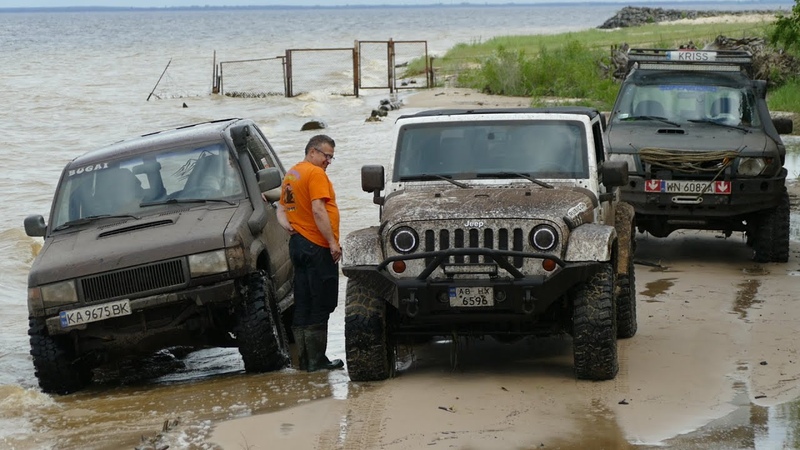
673	87
101	166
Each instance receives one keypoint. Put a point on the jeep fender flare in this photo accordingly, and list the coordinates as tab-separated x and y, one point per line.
362	248
591	242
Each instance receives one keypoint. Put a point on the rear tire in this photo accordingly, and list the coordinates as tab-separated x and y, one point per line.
594	341
258	330
771	242
368	341
56	365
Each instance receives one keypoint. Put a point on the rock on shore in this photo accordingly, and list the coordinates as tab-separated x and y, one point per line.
631	16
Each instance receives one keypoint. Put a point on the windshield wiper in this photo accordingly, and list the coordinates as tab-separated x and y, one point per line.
721	124
89	219
518	175
660	119
185	200
428	176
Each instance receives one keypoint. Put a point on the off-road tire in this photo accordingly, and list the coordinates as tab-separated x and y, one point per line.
368	341
771	242
625	289
56	366
258	331
594	340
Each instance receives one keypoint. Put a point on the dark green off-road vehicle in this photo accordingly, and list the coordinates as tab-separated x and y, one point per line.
501	223
158	241
701	147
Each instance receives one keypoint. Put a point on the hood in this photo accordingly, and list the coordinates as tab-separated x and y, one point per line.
573	205
115	244
630	137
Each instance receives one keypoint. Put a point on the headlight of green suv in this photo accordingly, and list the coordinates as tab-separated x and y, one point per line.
203	264
751	167
61	293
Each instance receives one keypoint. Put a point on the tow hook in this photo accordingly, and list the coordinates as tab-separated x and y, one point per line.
412	307
527	302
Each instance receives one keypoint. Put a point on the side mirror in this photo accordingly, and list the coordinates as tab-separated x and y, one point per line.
614	173
783	125
372	180
269	179
35	226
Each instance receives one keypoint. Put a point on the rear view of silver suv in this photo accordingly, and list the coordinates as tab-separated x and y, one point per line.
158	241
702	150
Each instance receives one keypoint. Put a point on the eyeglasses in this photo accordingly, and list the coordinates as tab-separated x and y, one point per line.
328	156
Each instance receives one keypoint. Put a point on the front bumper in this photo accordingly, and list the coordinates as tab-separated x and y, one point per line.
517	296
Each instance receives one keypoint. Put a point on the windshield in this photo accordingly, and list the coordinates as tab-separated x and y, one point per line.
686	103
132	186
474	149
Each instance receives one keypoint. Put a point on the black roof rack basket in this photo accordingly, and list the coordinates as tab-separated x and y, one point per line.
741	58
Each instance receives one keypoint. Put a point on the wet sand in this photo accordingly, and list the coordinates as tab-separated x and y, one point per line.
716	342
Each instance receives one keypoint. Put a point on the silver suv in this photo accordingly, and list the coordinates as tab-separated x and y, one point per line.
158	241
494	222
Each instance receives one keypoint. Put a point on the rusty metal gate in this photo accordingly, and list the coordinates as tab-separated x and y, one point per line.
379	61
336	71
251	77
305	66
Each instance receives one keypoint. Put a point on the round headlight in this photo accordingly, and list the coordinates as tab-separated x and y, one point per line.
544	237
751	167
405	240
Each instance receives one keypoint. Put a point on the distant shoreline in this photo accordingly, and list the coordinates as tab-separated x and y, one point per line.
683	5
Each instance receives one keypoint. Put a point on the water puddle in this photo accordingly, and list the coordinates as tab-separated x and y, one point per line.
746	298
656	288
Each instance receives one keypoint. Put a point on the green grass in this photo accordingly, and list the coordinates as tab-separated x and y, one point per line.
572	68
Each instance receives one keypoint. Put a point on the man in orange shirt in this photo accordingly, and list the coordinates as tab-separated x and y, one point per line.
307	209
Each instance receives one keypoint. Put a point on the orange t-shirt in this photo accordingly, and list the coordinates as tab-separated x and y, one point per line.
303	183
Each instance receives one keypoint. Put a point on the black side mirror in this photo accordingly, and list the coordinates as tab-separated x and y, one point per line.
614	173
35	226
372	180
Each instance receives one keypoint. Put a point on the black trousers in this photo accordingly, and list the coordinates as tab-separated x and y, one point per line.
316	282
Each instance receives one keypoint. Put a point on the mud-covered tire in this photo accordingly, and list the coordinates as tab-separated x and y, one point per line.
625	289
771	241
258	330
368	341
56	365
594	340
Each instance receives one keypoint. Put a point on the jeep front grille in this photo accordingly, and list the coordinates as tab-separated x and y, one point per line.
501	239
710	162
134	281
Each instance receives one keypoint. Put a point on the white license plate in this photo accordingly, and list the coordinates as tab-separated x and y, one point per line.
688	187
95	313
470	297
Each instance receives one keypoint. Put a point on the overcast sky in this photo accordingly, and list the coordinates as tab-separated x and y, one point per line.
165	3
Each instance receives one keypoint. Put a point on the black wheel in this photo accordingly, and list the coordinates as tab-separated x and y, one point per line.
625	289
57	367
771	242
368	342
594	341
258	330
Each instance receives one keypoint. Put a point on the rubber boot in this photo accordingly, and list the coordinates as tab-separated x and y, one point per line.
316	337
302	351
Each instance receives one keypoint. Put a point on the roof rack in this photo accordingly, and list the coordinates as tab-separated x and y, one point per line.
738	58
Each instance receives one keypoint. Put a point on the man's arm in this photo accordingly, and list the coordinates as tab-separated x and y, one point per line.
324	225
282	219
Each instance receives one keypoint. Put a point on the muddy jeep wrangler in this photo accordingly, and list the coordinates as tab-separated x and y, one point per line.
702	150
158	241
499	223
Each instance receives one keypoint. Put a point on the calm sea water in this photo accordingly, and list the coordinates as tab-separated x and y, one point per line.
72	82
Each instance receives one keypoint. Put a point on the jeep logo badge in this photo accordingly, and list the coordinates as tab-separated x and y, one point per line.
474	224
